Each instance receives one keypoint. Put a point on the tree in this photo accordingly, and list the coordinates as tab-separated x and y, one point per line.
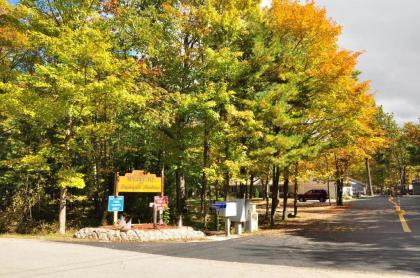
76	91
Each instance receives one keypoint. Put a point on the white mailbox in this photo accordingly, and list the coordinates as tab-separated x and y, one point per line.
229	211
240	211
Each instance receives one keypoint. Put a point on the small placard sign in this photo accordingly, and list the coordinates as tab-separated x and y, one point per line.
116	203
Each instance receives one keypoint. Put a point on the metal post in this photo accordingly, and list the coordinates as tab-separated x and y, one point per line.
162	177
154	215
227	226
162	188
160	217
369	189
116	194
238	228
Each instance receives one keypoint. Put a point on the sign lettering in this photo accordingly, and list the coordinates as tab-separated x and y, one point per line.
139	181
116	203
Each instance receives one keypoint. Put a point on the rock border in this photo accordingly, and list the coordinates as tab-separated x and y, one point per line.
102	234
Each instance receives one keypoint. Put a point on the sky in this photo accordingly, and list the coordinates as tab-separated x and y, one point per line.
389	33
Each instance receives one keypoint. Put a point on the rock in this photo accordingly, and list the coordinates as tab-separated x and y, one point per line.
95	235
185	233
103	236
131	235
100	230
123	236
138	233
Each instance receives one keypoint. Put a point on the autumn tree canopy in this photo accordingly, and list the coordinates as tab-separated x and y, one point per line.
220	93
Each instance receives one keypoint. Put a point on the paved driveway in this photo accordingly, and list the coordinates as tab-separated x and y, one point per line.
367	237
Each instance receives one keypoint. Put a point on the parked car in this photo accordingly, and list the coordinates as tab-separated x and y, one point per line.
314	194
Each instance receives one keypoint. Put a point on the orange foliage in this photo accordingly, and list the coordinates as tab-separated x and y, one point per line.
10	35
111	6
306	24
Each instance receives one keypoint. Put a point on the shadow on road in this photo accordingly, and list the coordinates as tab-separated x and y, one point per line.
366	237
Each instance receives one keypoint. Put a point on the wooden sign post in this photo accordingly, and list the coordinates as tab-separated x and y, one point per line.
162	176
140	181
116	194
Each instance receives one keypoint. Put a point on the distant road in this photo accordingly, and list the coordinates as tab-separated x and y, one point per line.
367	241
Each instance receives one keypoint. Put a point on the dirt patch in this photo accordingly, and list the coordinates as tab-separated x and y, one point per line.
310	216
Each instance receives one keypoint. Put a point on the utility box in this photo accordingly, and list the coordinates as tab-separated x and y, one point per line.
251	223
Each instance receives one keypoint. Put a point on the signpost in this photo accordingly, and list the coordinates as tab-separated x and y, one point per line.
160	203
116	178
115	203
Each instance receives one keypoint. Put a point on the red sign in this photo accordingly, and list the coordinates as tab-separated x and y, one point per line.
161	202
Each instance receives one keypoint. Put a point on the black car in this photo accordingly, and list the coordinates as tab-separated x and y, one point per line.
314	194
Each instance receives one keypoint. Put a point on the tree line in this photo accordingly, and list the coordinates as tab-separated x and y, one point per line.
218	92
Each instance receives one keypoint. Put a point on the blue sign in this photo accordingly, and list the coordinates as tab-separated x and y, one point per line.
219	205
116	203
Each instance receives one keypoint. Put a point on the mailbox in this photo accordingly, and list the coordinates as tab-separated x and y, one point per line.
240	211
229	211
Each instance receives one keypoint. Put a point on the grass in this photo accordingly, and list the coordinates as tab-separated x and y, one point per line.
68	236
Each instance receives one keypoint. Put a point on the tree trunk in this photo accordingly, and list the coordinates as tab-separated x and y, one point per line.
226	185
251	187
216	188
28	198
241	193
403	179
63	191
180	195
267	198
329	194
339	191
62	213
328	180
246	190
285	192
339	183
295	209
369	180
206	154
275	194
242	186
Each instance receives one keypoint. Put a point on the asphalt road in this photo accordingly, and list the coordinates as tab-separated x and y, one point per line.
367	237
24	258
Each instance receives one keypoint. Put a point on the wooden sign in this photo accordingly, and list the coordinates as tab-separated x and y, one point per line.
139	181
161	202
